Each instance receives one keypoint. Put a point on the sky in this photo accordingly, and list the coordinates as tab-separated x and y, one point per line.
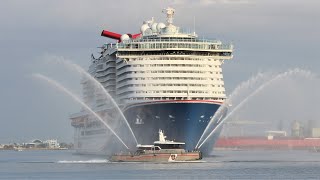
268	35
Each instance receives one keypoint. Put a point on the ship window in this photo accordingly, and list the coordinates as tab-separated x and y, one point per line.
170	146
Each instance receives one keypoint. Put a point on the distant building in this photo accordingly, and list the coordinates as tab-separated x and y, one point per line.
34	143
52	143
315	133
309	128
297	129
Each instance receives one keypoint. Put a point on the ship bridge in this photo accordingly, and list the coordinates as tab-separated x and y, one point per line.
174	46
160	39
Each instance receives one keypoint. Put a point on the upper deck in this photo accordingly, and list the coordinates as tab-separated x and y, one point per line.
165	39
174	43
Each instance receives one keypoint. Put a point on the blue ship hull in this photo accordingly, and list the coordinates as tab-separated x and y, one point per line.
181	121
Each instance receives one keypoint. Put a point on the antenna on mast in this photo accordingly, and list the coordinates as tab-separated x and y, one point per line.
194	25
170	12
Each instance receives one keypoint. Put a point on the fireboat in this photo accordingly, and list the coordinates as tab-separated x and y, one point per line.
161	151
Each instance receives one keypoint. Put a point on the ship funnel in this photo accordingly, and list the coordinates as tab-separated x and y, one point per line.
117	36
111	35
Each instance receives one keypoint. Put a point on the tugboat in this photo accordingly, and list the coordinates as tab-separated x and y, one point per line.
161	151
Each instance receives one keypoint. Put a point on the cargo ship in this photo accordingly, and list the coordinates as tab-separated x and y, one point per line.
287	143
162	78
304	136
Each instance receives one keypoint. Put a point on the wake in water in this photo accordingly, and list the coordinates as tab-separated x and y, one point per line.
93	161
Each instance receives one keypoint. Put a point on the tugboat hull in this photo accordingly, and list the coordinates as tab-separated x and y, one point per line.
189	156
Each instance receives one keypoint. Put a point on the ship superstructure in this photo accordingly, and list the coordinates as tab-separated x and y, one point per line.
162	78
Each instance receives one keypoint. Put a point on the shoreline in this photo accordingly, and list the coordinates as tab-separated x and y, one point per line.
33	149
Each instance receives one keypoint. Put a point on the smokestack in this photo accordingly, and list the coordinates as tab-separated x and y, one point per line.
117	36
111	35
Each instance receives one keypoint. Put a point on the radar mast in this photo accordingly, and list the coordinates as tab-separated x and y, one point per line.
170	12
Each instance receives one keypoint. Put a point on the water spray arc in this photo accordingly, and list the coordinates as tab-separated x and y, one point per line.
279	76
219	112
80	70
63	89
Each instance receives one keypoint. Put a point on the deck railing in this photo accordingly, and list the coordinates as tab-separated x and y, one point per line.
173	45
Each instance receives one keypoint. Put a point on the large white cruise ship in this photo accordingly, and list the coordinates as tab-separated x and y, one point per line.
162	78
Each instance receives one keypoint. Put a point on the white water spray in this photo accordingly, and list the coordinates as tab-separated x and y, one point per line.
63	89
236	91
279	76
97	84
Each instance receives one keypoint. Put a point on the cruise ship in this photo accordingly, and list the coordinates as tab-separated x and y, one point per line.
162	78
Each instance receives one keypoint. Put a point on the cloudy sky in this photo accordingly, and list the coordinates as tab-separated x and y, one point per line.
269	35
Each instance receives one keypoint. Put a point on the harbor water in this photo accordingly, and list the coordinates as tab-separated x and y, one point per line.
249	164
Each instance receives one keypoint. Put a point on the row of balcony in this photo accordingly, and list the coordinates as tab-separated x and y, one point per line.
199	46
172	39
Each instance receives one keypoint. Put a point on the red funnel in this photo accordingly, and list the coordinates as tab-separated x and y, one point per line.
111	35
117	36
